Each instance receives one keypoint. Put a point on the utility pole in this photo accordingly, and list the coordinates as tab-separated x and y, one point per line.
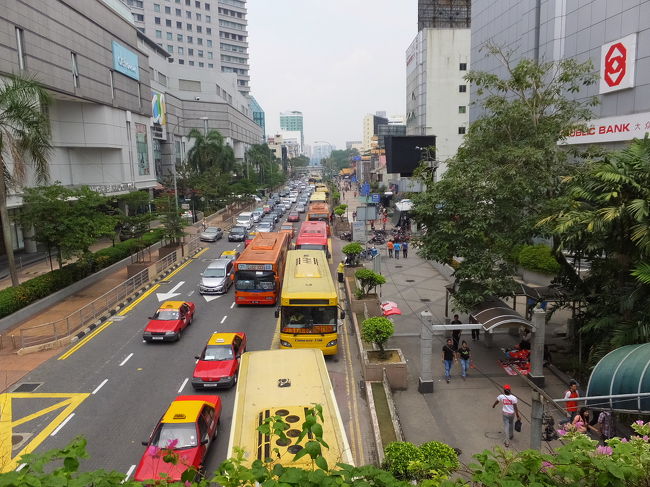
536	376
425	381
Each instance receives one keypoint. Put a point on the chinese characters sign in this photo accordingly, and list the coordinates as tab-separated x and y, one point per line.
612	129
142	149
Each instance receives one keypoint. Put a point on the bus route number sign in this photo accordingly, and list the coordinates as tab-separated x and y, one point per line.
256	267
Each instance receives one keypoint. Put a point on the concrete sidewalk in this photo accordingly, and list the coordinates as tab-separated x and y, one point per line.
458	413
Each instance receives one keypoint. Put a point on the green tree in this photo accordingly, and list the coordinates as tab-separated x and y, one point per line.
170	217
498	186
135	216
209	151
377	330
369	280
24	140
340	159
300	161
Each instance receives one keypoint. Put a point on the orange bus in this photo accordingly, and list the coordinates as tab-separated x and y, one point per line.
313	236
260	268
318	212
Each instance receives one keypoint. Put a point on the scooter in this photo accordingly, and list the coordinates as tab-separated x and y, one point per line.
346	236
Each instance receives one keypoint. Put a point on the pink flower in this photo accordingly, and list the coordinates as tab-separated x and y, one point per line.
547	466
187	483
624	440
645	438
153	450
604	450
639	422
561	432
172	443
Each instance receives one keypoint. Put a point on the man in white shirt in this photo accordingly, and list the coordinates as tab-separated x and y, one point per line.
510	410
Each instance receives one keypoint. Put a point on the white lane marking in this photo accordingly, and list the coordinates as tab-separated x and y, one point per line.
232	305
126	359
128	473
238	245
65	421
20	467
190	293
100	386
224	319
209	298
183	385
169	294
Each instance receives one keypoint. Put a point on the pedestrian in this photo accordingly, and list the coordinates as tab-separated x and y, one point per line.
355	194
204	224
340	270
464	357
405	249
509	409
476	334
384	220
571	407
525	335
397	247
581	421
448	356
390	247
606	425
455	334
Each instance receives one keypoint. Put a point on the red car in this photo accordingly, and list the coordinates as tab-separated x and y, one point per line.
186	430
169	322
293	217
218	365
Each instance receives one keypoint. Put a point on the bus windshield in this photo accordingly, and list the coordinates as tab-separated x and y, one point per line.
311	247
309	319
322	217
255	281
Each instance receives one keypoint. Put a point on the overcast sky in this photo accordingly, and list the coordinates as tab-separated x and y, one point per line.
333	60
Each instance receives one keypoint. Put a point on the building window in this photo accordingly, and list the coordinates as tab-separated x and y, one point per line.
179	25
188	14
181	61
461	130
200	53
198	17
111	83
75	69
188	2
463	66
208	19
135	3
170	36
168	22
208	30
190	52
207	6
139	95
156	20
199	28
190	39
138	17
189	27
179	37
210	55
462	88
170	48
197	4
209	42
168	10
462	109
210	65
156	7
181	51
159	34
191	63
200	65
178	12
20	47
162	79
199	41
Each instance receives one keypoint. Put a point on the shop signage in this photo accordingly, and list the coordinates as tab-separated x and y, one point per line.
612	129
159	108
112	188
125	61
617	60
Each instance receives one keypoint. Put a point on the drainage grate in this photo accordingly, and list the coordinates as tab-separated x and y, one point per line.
28	387
425	300
410	280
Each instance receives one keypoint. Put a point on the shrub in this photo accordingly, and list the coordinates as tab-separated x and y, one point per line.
369	280
377	330
399	455
538	258
339	211
440	457
431	460
353	248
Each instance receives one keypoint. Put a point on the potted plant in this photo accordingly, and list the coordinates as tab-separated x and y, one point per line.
368	280
352	252
378	330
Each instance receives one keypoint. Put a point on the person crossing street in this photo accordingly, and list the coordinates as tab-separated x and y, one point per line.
397	247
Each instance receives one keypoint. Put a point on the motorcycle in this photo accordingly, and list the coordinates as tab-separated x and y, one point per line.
346	236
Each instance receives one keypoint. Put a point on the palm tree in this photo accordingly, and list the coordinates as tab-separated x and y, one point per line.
24	139
208	151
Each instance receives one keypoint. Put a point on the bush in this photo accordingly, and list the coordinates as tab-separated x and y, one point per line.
431	460
398	455
15	298
369	280
377	330
538	258
440	457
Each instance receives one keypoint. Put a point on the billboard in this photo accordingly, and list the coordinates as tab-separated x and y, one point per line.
125	61
617	60
404	152
611	129
158	108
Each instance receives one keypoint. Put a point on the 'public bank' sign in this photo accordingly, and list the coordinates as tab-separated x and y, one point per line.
125	61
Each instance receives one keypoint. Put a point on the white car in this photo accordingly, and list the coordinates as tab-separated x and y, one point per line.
244	221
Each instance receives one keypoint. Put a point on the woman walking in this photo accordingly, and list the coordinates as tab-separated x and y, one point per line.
464	357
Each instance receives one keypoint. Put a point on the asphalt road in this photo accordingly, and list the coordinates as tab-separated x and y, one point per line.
124	385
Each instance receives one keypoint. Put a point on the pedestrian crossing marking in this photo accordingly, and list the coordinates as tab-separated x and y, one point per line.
68	404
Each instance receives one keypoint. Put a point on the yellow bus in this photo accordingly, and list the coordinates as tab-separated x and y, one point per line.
318	197
285	383
322	188
309	312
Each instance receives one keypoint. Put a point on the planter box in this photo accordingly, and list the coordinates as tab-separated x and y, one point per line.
133	269
166	250
371	301
537	278
394	366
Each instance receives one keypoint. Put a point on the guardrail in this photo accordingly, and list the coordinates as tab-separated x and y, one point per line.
65	327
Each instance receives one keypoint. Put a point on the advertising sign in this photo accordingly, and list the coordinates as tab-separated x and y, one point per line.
142	149
617	60
359	231
612	129
125	61
158	108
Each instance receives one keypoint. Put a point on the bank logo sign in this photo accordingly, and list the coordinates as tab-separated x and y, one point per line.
125	61
612	129
617	60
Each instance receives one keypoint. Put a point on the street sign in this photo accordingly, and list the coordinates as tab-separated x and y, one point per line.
375	197
185	206
365	189
359	231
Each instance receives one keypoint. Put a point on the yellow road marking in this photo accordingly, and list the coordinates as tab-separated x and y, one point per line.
122	312
275	341
7	423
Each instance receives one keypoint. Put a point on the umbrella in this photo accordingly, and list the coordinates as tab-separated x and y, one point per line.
389	308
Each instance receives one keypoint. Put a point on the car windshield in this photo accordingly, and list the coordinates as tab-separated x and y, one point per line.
255	281
237	230
166	314
183	435
309	319
218	272
218	352
211	230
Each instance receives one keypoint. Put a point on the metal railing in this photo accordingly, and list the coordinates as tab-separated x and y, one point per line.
64	327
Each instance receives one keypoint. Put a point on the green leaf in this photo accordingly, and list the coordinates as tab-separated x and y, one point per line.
321	463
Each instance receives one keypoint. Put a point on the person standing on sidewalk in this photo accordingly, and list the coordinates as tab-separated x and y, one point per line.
464	357
509	408
397	247
448	356
341	270
455	334
390	246
571	406
405	249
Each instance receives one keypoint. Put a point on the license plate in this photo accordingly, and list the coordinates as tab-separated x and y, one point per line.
209	385
157	338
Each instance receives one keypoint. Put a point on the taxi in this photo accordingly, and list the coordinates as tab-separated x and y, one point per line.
218	365
168	323
187	430
230	254
250	235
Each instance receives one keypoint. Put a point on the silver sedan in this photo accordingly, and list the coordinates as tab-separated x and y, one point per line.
211	234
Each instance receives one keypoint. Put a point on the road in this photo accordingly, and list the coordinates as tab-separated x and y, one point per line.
113	388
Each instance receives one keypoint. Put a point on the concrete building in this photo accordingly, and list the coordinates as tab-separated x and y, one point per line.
293	137
370	124
293	121
320	150
205	34
258	114
437	96
353	144
615	36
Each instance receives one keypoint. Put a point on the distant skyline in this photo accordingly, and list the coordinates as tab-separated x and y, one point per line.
334	61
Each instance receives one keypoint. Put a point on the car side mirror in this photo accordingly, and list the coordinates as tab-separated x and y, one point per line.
277	313
205	441
197	357
145	443
342	314
201	274
150	318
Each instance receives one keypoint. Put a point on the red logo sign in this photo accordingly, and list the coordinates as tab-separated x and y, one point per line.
615	64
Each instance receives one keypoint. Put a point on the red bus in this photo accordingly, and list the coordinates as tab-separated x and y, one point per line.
260	268
313	236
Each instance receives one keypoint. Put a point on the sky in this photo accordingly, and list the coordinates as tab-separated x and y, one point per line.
333	60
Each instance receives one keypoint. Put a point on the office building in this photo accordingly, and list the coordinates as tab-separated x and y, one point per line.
370	128
614	36
293	121
354	144
437	96
258	113
320	150
206	34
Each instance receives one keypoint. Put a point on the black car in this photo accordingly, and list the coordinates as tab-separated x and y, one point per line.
237	234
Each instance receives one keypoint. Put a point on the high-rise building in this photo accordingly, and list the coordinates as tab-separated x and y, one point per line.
437	96
614	36
205	34
258	114
370	127
320	150
293	121
354	144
